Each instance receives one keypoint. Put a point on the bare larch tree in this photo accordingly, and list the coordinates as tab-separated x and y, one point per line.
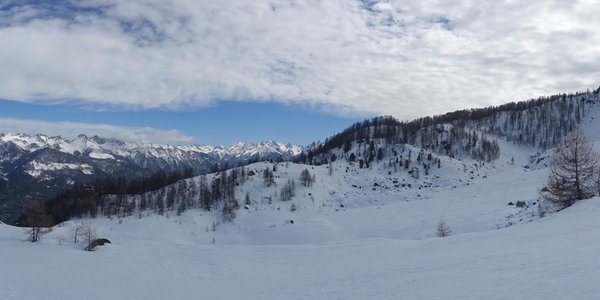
442	229
572	171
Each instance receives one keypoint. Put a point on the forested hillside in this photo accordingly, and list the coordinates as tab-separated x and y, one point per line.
540	123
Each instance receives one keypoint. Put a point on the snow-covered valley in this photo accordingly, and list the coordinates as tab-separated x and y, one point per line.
356	218
346	239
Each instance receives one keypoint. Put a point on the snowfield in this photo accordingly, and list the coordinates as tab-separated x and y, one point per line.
349	239
554	258
37	168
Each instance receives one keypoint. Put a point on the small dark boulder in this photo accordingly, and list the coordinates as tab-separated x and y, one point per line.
97	242
510	203
521	204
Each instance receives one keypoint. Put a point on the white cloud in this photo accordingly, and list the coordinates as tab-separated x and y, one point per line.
406	58
73	129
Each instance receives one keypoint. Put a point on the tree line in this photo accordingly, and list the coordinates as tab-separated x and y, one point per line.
84	198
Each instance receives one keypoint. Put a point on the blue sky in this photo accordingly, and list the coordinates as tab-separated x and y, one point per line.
182	71
223	123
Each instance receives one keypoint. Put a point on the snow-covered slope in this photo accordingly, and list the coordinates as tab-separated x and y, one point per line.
398	204
379	251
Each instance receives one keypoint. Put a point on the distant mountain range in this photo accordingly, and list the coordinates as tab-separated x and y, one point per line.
35	167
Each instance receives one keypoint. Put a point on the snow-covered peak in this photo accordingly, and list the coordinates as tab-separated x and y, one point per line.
105	148
29	142
262	148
